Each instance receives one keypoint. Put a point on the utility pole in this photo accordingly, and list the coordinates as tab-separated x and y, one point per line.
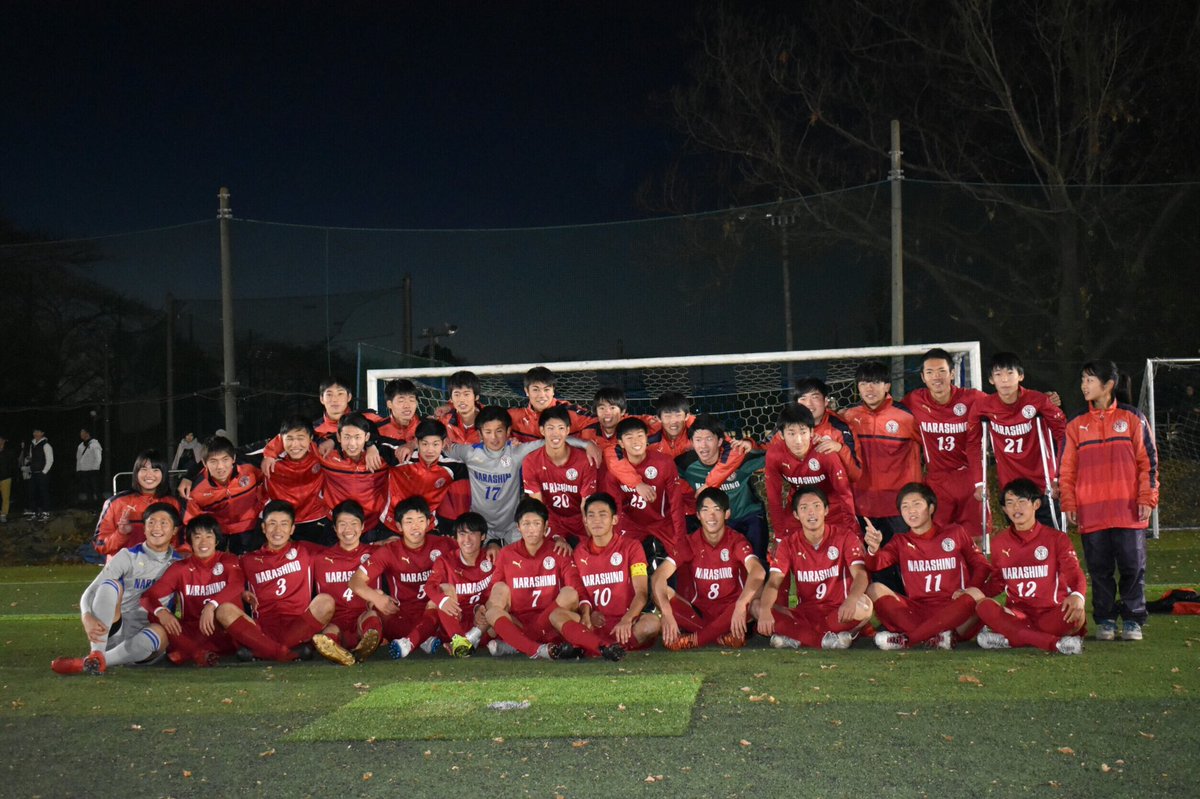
895	176
170	376
229	384
783	221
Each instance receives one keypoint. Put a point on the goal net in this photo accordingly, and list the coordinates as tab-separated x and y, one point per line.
743	390
1170	399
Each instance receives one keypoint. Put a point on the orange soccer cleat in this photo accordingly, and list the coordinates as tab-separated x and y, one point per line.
683	642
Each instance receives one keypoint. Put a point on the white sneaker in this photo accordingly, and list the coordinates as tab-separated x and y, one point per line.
943	640
891	641
990	639
833	640
431	645
498	648
783	642
1069	645
1131	631
400	648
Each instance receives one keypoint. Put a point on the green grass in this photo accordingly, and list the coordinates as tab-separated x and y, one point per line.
1118	721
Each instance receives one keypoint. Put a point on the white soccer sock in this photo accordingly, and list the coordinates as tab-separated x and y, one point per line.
104	608
138	648
474	635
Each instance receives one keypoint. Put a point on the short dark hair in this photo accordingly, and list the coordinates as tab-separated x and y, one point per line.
219	445
872	372
152	458
531	505
296	422
355	420
922	489
558	412
716	495
1102	370
348	507
816	491
429	427
1006	360
205	523
610	395
671	401
279	506
493	413
464	379
414	503
630	424
1022	488
399	387
794	413
163	507
807	384
937	354
471	522
539	374
706	421
335	380
604	498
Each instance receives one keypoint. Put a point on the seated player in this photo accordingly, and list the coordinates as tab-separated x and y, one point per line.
233	492
828	567
117	626
1038	570
205	587
560	476
120	522
429	476
715	463
465	389
539	388
349	475
830	431
280	577
535	595
404	565
717	587
938	563
663	516
459	587
354	632
614	574
401	398
793	464
298	479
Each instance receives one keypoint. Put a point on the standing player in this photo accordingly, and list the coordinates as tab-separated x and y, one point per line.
427	476
535	596
938	563
613	570
464	388
402	421
298	480
459	586
793	464
120	522
559	476
231	491
409	618
539	388
354	632
609	406
349	475
830	431
1037	568
1023	425
114	620
336	398
942	411
1109	484
716	587
828	567
715	463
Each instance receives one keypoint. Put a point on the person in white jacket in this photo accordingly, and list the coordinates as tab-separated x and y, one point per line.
88	457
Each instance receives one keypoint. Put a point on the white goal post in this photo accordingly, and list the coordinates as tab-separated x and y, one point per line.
1171	404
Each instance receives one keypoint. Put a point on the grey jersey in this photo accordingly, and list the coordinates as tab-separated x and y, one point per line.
134	569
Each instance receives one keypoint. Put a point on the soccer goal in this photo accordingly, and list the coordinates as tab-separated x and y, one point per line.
1170	400
744	390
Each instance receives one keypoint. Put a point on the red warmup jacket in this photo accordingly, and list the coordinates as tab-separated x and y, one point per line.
835	427
890	451
1109	467
525	421
236	503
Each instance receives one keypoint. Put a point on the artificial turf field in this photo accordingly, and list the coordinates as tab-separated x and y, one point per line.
1120	720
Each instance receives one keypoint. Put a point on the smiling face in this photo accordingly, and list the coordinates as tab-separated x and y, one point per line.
815	402
277	528
555	431
160	531
336	400
220	466
810	512
706	446
712	518
470	542
674	423
1095	390
541	395
494	435
148	477
937	377
349	530
413	525
608	415
873	394
634	442
463	400
353	441
204	543
296	443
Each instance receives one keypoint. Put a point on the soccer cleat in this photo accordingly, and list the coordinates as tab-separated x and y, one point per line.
206	658
613	652
682	642
570	652
498	648
302	652
94	664
431	646
731	641
783	642
1106	630
332	651
943	640
366	645
1131	631
460	646
990	639
67	665
1069	645
832	640
548	652
244	654
400	648
890	642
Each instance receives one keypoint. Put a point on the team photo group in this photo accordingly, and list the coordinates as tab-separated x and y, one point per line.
558	531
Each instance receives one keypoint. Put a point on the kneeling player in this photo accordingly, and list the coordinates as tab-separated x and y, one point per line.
938	563
716	587
114	620
827	565
613	570
535	596
355	631
1036	566
459	586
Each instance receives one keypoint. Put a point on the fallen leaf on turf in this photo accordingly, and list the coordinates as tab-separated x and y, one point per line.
169	731
1054	784
579	744
135	727
1066	750
187	773
744	742
1120	762
652	778
620	707
745	689
427	753
368	775
761	674
969	678
947	738
362	686
759	698
1149	736
1105	768
772	700
268	753
497	740
835	722
226	701
372	739
1175	670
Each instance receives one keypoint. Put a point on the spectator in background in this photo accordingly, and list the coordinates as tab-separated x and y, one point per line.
188	451
88	456
8	470
41	461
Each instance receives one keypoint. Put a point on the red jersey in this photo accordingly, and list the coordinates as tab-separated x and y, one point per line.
406	570
300	483
283	580
716	575
346	478
664	517
120	524
392	429
1038	568
235	503
459	433
834	427
820	573
1109	467
943	428
820	469
472	584
607	443
889	449
933	564
525	421
563	488
535	580
196	582
326	427
672	447
607	574
416	479
1014	435
332	571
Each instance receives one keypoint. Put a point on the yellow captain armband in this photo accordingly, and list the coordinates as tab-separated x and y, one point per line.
637	570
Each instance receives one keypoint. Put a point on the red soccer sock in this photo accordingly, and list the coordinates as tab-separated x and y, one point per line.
686	616
1017	631
452	626
799	628
950	617
575	633
248	634
716	627
181	647
426	626
302	630
512	635
897	615
371	623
